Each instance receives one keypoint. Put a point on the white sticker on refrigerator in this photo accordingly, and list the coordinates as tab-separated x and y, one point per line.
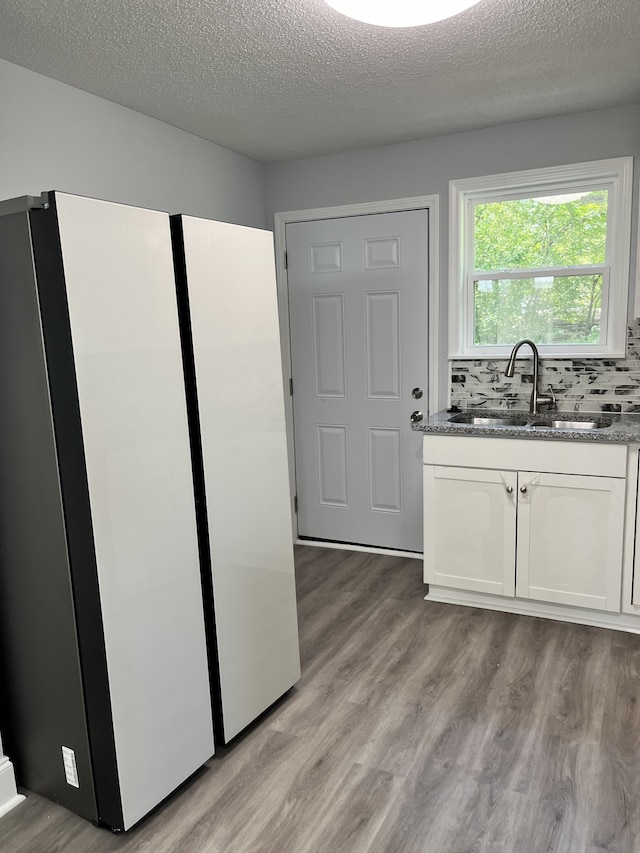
70	767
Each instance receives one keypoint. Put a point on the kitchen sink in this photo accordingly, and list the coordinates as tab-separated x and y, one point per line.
550	421
494	420
568	423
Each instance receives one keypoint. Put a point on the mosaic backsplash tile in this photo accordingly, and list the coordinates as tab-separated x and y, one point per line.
580	385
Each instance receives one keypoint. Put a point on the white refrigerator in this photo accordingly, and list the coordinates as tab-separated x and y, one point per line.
146	571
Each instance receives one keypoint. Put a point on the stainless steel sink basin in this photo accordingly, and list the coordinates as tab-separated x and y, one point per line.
555	421
567	423
481	420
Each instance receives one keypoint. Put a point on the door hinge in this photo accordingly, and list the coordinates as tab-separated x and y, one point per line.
295	503
286	260
291	386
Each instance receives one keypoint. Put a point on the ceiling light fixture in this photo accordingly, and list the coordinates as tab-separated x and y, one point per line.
400	13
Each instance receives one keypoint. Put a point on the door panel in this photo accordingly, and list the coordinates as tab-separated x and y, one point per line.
358	310
236	349
330	369
383	345
470	526
333	477
122	306
570	533
385	470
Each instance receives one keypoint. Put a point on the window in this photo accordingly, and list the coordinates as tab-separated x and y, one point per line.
542	254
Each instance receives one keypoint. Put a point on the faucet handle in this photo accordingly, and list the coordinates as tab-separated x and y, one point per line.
548	399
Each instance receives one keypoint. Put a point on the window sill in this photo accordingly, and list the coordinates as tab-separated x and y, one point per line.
557	355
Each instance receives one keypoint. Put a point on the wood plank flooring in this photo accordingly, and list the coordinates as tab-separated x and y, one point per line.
417	727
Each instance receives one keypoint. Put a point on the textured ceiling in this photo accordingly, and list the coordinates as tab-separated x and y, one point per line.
283	79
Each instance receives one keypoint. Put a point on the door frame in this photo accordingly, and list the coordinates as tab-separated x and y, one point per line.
431	203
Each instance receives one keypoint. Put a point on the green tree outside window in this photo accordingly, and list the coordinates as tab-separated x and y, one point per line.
532	234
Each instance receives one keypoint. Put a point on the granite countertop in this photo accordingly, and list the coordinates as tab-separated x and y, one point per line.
622	429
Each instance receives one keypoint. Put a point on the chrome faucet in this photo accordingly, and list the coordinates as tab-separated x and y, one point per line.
536	399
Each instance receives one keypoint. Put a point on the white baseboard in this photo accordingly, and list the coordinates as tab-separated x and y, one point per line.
528	607
365	549
9	796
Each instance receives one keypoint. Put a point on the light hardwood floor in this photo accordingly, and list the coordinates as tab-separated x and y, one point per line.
416	728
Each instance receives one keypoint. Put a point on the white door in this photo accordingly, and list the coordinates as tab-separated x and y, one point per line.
121	293
470	529
358	312
570	532
236	349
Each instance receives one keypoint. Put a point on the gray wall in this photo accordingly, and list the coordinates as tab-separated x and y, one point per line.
55	137
425	167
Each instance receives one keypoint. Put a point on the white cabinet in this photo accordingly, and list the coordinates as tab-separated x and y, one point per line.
470	529
569	534
545	535
633	520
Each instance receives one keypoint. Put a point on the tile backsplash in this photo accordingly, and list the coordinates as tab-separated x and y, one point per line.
587	385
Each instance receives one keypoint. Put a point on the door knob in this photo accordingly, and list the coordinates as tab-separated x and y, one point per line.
523	489
416	393
416	416
509	489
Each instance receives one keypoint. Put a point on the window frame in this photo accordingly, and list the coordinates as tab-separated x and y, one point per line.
615	175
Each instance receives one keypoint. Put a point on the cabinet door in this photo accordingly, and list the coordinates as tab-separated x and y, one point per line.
470	525
570	531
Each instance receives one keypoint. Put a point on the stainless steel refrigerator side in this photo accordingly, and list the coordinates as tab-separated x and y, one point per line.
230	278
42	701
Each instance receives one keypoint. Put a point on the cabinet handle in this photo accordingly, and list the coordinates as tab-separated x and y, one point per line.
523	489
509	489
